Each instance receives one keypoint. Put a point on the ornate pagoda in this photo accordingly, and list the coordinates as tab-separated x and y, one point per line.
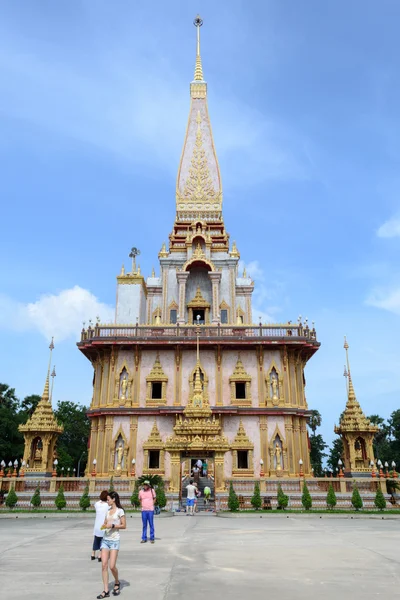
356	431
40	433
184	373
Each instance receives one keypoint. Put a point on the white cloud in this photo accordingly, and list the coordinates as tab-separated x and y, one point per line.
390	228
59	315
386	299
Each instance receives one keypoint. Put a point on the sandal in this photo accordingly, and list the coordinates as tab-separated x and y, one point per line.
117	589
92	558
103	594
99	559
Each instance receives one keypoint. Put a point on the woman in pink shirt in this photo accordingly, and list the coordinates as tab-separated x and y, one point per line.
147	496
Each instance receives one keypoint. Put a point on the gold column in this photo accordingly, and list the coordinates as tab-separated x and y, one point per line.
136	381
262	401
304	445
100	444
107	444
178	376
94	424
219	471
111	379
264	442
297	444
218	376
290	445
175	482
132	440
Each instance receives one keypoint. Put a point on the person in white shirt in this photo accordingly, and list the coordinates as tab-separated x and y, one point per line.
101	508
191	494
113	522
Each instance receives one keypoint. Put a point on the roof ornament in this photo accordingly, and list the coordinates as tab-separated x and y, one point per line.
198	71
133	254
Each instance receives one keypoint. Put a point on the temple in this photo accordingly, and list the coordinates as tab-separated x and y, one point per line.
356	431
40	433
184	372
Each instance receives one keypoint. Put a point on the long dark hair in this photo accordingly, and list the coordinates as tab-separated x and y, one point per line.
115	496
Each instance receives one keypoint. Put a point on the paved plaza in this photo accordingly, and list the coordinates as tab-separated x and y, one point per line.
208	558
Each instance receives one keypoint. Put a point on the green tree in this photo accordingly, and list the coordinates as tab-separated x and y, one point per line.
36	500
155	480
12	498
84	500
161	498
29	404
60	501
394	431
356	499
135	495
317	444
256	499
381	442
306	497
380	501
336	452
11	440
282	499
233	500
72	443
314	421
331	500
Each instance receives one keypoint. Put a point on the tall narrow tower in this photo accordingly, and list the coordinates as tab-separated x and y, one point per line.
356	431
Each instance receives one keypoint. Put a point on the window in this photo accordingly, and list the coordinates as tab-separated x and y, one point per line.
224	316
201	313
154	459
240	388
156	390
173	314
243	459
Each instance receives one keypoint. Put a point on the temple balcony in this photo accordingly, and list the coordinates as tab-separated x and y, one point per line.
281	334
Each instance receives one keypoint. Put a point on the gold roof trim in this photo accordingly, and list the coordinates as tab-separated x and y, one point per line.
198	301
157	373
154	441
242	441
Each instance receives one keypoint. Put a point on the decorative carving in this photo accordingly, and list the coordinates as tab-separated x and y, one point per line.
274	386
154	442
156	375
239	375
278	453
242	443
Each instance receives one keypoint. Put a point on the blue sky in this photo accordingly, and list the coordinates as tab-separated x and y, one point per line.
303	99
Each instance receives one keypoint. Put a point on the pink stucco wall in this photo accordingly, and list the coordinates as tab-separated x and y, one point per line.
145	425
167	360
229	360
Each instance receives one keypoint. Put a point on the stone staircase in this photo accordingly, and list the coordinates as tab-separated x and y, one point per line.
203	482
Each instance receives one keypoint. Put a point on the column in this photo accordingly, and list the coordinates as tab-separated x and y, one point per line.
178	376
264	443
182	279
215	282
174	485
107	445
219	472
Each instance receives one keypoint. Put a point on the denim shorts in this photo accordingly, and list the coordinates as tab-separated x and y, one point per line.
109	544
190	502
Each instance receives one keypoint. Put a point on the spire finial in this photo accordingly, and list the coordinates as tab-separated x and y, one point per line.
46	394
346	347
53	374
198	71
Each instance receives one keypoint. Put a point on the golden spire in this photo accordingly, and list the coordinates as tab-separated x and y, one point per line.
153	273
198	71
353	418
46	391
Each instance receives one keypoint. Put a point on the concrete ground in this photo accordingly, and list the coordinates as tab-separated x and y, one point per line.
208	558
